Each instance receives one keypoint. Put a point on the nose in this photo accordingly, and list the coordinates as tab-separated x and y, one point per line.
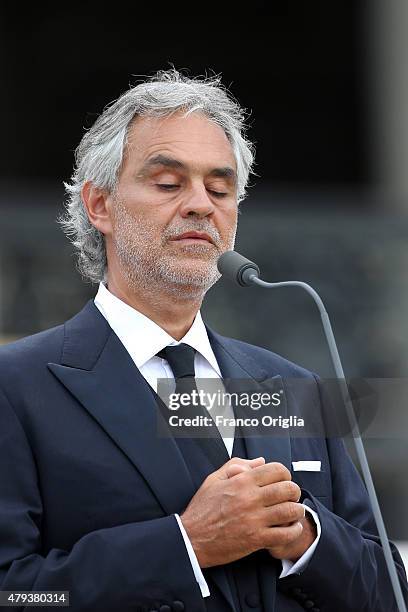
197	202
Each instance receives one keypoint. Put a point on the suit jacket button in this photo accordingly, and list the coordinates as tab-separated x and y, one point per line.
177	606
252	600
164	608
308	604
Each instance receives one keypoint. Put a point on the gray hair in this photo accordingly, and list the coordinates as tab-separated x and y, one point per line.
99	155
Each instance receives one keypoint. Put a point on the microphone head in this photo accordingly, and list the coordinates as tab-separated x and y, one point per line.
237	268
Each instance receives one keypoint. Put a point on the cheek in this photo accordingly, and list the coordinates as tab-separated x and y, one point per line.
147	212
228	220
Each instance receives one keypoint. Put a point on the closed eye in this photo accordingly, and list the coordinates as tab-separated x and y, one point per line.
218	194
173	186
167	187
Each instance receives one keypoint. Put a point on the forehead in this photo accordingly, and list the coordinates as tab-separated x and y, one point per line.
194	140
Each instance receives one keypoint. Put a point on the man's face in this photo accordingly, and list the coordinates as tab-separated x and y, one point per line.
178	176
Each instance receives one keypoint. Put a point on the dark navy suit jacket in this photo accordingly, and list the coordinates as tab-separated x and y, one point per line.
88	492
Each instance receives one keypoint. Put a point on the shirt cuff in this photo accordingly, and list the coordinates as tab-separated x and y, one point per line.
205	591
289	567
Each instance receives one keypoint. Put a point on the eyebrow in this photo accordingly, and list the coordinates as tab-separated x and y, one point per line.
170	162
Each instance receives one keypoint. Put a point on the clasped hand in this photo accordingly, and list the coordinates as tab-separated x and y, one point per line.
244	506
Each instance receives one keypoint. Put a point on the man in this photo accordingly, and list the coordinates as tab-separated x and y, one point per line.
92	501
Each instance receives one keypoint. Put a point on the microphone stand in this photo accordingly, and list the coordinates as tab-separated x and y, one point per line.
251	278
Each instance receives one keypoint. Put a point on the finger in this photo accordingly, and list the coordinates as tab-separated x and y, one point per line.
280	537
225	472
279	492
254	462
283	514
269	473
236	468
287	524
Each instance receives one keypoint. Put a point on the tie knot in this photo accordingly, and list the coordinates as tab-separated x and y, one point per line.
180	358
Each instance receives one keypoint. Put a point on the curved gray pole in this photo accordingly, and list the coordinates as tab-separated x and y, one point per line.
362	457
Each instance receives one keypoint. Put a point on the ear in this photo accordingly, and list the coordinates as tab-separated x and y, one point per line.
98	206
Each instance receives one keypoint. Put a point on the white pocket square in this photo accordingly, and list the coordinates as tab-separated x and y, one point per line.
306	466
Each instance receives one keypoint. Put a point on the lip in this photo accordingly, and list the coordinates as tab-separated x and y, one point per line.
194	235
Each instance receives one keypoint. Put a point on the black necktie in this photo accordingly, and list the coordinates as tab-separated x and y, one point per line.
181	360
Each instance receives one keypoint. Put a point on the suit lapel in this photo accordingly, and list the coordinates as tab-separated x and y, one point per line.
98	371
96	368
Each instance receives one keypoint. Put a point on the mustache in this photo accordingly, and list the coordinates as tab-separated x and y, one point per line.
199	226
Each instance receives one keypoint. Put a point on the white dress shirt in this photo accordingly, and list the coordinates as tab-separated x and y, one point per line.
143	338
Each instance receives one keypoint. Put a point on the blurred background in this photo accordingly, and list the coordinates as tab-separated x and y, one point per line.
326	84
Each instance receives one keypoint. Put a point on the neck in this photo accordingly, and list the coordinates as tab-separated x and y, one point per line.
171	312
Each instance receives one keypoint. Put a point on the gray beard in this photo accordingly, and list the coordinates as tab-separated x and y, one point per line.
151	267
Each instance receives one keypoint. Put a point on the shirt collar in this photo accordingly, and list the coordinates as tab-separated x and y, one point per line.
142	337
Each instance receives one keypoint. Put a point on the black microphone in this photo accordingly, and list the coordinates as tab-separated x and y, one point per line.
237	268
246	273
